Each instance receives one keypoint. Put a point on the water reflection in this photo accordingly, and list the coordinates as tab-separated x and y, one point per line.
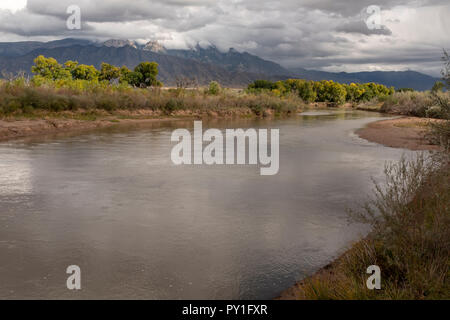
112	202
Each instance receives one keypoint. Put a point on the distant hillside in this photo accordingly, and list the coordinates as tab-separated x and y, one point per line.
231	68
231	60
14	49
397	79
170	67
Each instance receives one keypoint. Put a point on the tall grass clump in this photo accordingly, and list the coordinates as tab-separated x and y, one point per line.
410	238
417	104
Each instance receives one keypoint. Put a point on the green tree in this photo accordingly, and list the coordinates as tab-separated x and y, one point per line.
333	92
146	74
355	92
109	72
135	79
84	72
124	75
337	93
306	91
324	91
49	68
70	65
262	85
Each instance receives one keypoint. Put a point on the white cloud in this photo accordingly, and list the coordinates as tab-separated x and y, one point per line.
321	34
13	5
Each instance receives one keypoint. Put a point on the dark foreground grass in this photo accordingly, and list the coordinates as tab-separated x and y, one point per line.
410	239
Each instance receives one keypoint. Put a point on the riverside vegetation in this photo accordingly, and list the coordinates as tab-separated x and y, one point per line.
73	88
410	219
68	88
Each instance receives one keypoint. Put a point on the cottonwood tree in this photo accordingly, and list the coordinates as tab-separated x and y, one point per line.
85	72
146	73
49	68
108	72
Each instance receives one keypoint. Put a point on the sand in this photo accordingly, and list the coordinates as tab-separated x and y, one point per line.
407	133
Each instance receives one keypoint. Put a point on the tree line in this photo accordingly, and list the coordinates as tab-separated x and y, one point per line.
323	91
49	69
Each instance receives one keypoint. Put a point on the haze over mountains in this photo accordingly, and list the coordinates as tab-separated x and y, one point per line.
231	68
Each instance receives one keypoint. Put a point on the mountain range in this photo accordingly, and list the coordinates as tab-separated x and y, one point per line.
230	68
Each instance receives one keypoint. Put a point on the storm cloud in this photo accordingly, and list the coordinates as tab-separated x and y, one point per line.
330	35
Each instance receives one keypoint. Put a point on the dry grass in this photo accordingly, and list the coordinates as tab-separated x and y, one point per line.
410	240
21	98
417	104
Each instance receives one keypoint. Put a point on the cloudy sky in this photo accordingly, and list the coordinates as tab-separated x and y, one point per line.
331	35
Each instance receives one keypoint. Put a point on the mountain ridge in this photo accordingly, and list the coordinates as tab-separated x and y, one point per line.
130	57
230	68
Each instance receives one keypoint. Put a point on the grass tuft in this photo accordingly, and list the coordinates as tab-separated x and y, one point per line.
410	238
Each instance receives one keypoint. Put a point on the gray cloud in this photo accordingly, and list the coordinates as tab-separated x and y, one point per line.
323	34
360	26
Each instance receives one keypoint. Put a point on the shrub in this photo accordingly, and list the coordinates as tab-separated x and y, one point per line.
408	103
437	87
262	85
214	88
440	130
410	220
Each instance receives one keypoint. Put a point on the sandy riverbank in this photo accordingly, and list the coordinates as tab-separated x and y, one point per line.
407	133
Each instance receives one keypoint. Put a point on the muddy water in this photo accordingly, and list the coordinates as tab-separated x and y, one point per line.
112	202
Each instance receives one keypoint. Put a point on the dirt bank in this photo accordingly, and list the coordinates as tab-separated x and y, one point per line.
62	122
407	133
29	128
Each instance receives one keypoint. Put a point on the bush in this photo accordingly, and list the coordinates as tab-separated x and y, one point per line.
410	220
408	103
214	88
262	85
440	130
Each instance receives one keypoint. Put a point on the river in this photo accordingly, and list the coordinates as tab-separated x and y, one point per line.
139	227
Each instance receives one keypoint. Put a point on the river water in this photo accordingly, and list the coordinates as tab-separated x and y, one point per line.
139	227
